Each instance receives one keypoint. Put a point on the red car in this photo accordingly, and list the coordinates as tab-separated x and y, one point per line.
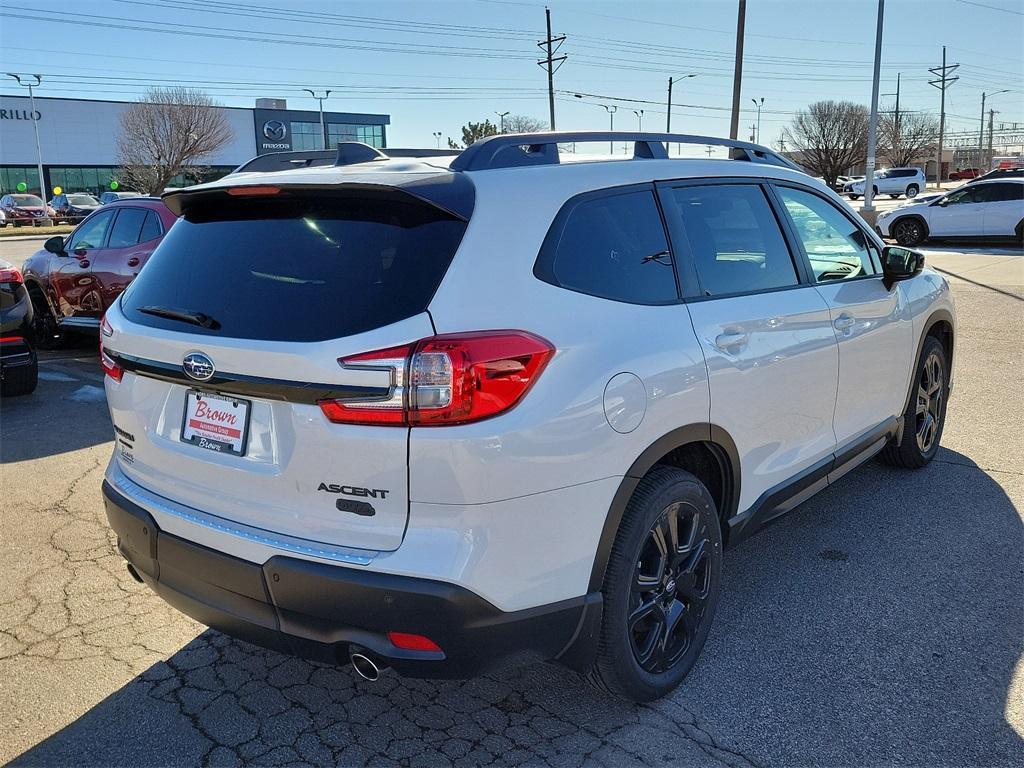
965	173
74	279
23	210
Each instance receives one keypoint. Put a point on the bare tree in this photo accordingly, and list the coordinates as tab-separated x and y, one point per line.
829	137
524	124
170	131
903	141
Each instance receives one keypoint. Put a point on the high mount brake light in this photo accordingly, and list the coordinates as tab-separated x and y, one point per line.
111	368
252	191
11	276
452	379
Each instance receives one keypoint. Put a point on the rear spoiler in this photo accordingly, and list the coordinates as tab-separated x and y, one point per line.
346	153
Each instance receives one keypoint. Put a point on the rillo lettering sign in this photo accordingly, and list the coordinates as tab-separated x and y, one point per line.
20	114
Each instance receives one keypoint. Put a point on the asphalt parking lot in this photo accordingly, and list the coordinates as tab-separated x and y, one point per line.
880	623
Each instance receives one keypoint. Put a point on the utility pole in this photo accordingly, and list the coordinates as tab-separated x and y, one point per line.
668	111
991	115
942	82
551	45
501	119
737	77
35	126
753	133
758	104
321	99
869	169
639	119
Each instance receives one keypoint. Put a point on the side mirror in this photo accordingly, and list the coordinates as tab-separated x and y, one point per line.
55	245
900	264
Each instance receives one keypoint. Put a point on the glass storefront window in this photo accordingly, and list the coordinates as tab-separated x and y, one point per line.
368	134
305	136
10	178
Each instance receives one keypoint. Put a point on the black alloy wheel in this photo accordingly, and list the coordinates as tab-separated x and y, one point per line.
908	232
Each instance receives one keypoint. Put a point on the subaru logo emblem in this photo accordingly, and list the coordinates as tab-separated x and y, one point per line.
274	130
198	366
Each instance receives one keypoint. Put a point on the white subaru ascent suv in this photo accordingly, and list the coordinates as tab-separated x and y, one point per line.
451	414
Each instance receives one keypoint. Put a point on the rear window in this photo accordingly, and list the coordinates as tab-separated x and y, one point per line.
298	268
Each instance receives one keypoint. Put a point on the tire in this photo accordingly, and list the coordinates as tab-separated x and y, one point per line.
926	414
912	190
639	660
893	196
21	380
908	231
854	197
874	191
45	332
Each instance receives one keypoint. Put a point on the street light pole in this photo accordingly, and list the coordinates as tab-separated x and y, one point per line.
758	104
981	133
668	111
869	170
611	110
437	137
320	99
501	119
35	126
639	119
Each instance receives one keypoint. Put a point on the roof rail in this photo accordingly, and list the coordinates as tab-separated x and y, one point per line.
346	153
513	150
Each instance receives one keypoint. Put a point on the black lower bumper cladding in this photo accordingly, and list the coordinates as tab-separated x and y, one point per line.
323	612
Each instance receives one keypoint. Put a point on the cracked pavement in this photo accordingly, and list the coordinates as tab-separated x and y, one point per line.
881	623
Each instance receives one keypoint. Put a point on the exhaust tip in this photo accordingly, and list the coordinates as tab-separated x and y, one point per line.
365	667
134	573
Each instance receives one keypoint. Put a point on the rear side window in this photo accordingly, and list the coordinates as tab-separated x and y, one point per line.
734	238
127	226
612	246
998	193
297	267
151	228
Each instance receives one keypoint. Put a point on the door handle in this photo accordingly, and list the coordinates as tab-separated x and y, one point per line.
844	322
732	340
133	261
83	263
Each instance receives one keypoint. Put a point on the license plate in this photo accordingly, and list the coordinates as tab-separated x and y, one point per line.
216	422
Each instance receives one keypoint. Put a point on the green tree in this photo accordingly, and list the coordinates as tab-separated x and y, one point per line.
474	132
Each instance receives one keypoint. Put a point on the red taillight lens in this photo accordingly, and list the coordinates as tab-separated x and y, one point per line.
443	380
112	369
11	276
409	642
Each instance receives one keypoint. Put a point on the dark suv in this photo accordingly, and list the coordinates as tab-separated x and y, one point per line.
73	279
74	206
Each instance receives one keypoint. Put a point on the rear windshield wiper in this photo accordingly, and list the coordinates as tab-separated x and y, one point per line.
184	316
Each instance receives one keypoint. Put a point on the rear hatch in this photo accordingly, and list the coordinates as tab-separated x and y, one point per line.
232	334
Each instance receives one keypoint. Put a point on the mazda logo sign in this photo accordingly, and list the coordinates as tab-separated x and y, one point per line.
275	130
198	366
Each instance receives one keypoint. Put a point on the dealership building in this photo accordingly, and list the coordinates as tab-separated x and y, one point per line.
78	138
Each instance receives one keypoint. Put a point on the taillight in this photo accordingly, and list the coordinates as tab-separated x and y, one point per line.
443	380
111	368
410	642
11	275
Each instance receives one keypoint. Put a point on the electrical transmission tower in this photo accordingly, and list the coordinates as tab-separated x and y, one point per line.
551	63
942	81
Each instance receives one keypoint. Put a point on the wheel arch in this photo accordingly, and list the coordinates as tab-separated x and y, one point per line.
34	286
939	325
704	449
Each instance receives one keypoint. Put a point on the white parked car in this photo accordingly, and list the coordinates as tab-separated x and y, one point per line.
890	181
447	419
987	210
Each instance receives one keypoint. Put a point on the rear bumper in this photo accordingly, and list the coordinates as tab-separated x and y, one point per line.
323	612
16	353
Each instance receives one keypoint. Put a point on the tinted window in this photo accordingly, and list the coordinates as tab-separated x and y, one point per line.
298	268
151	228
613	247
92	233
127	227
998	193
735	240
961	196
837	248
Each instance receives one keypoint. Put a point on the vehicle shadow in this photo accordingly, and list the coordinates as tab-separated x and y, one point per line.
70	392
880	623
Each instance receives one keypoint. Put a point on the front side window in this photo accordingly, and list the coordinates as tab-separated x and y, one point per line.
960	197
836	247
613	247
734	239
92	233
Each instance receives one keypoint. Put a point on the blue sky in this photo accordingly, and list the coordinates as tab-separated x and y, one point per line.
436	65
